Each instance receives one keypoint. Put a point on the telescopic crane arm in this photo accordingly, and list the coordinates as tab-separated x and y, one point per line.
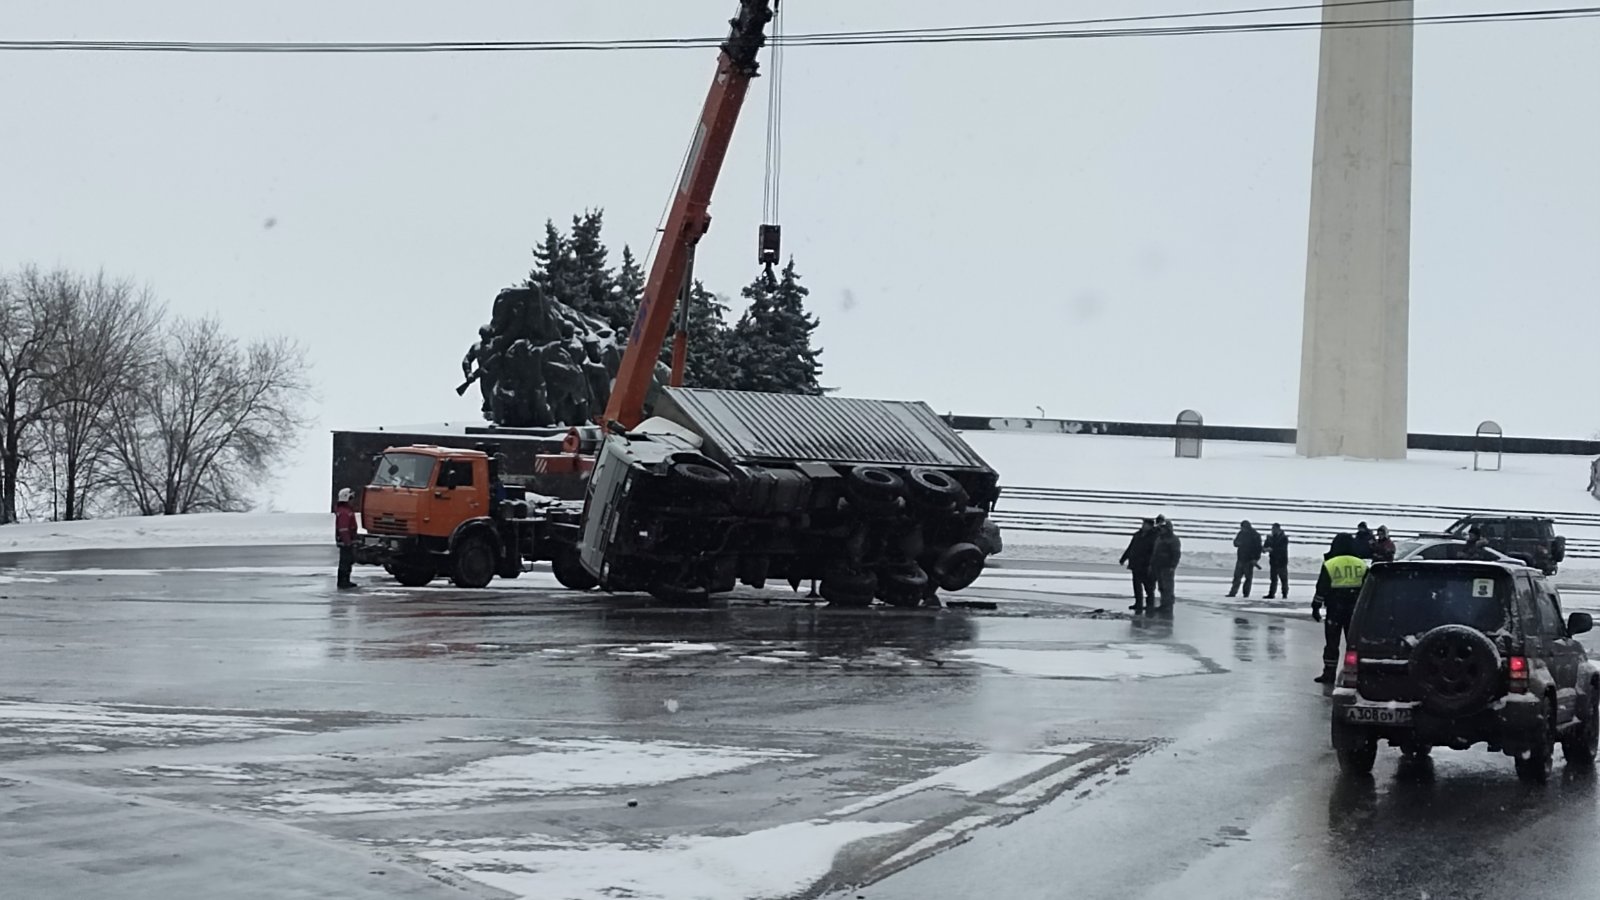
690	214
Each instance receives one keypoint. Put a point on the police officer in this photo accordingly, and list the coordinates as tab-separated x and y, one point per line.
1337	588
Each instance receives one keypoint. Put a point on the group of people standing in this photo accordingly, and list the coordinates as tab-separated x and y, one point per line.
1154	550
1152	561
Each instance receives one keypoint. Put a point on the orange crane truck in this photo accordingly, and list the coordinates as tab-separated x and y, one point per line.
430	511
704	490
873	499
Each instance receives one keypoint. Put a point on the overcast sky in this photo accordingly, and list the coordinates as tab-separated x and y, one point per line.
1105	229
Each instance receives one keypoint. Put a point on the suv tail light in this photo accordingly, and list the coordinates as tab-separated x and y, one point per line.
1517	674
1347	675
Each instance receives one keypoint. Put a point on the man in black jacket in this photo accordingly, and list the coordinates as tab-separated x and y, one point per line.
1277	546
1137	559
1164	557
1247	546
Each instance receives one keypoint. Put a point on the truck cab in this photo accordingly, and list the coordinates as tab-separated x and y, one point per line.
440	510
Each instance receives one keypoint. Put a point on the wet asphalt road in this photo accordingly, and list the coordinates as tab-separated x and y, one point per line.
221	723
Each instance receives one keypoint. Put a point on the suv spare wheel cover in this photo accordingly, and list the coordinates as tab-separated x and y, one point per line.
1456	668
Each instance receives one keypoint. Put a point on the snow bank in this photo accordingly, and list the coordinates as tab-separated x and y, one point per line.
1238	469
1552	484
199	530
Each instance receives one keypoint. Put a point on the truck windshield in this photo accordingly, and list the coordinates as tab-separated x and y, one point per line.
410	470
1402	602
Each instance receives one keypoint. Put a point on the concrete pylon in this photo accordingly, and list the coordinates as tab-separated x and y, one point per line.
1358	259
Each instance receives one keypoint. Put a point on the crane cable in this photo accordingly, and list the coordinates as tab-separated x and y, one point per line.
772	176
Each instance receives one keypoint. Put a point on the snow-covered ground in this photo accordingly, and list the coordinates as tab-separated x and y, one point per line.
1240	470
1552	484
200	530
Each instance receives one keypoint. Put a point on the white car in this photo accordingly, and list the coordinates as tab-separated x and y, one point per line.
1447	548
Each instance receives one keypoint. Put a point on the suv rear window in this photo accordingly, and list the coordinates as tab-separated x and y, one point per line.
1508	529
1403	601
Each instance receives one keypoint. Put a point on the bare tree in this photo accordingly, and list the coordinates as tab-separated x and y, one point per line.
108	349
31	326
212	421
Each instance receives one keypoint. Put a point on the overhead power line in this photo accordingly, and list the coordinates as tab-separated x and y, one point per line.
989	33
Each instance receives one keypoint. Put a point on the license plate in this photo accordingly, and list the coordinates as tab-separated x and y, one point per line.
1379	715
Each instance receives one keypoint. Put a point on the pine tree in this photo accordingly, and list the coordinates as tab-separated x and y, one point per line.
708	364
771	345
552	264
629	287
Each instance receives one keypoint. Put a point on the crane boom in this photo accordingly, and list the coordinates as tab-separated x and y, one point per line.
690	216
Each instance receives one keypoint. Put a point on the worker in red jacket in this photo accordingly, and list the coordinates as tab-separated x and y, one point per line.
344	534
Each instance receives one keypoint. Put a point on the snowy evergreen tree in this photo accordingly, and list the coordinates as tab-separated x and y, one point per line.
552	265
708	365
771	345
630	286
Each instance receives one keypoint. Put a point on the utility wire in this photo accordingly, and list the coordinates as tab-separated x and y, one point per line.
994	33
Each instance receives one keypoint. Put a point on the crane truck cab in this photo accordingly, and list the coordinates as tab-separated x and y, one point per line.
441	510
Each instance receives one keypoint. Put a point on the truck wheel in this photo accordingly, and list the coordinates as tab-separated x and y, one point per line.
701	478
934	488
412	575
473	563
849	588
958	567
904	586
569	572
874	484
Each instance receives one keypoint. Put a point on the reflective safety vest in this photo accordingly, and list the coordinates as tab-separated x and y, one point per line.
1345	572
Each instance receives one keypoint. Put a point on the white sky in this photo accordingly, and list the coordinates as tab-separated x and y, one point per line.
1107	229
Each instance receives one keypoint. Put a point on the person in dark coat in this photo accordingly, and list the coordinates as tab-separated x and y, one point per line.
344	535
1137	559
1383	546
1363	541
1337	588
1247	549
1164	556
1277	547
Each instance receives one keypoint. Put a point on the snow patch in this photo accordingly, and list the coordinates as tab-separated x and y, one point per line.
1105	662
136	724
983	775
25	579
221	773
586	766
762	865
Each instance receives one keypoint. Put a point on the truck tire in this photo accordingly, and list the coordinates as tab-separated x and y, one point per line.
473	563
412	575
874	484
958	567
904	586
935	489
849	588
569	572
701	479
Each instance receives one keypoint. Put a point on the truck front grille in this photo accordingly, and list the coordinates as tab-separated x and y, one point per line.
387	524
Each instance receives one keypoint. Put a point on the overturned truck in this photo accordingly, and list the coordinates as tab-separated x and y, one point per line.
871	499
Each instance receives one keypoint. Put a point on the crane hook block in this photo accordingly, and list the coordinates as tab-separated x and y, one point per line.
770	241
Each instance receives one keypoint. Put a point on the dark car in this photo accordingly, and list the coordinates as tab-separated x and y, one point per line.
1453	654
1532	539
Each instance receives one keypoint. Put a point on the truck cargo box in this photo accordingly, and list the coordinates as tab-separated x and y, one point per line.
749	428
